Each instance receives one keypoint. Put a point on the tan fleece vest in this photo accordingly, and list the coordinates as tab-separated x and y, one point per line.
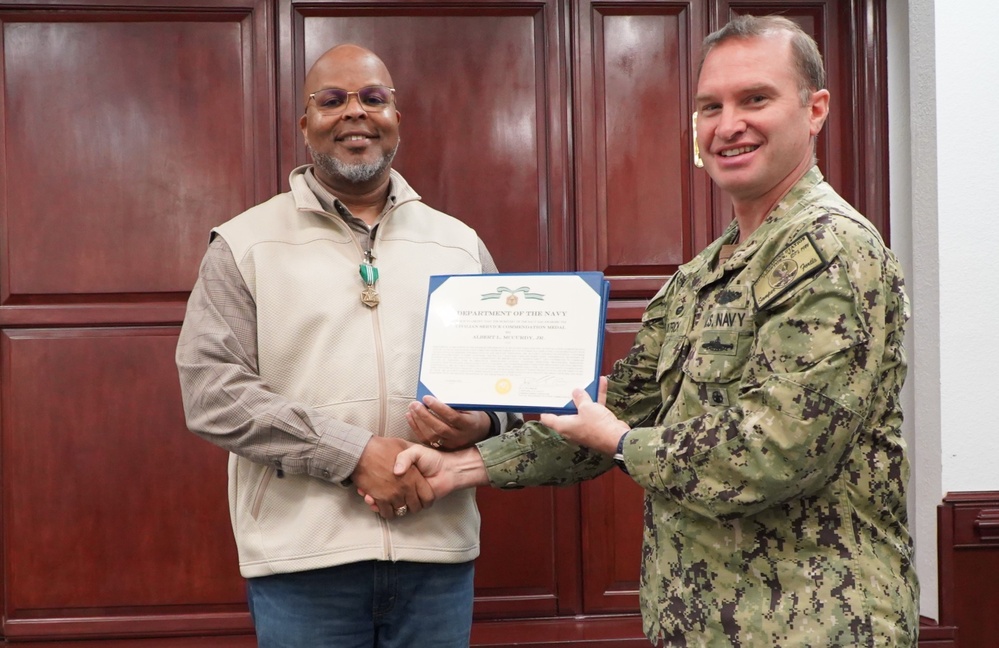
319	345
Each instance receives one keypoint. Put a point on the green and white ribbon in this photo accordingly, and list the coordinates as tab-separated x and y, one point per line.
369	274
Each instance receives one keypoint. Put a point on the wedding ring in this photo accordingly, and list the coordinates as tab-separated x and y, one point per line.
402	510
436	444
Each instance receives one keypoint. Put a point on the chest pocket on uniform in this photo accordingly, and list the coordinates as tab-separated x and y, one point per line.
720	347
675	327
673	346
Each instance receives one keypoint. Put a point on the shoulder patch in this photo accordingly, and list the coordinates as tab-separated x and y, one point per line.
800	259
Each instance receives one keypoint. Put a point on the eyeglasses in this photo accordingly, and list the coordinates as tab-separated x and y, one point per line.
333	101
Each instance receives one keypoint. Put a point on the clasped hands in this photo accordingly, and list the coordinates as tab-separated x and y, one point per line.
400	478
394	491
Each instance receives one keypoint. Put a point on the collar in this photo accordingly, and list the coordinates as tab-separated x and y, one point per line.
790	204
310	195
333	205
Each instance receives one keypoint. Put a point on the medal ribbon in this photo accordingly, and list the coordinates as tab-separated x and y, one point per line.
369	274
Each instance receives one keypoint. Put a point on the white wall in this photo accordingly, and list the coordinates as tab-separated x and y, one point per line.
943	76
967	79
911	121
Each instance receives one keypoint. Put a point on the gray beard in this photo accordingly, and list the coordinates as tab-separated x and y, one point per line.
353	173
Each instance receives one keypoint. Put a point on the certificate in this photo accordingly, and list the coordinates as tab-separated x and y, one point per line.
513	342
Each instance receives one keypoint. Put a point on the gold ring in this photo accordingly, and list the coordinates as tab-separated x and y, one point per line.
402	510
436	444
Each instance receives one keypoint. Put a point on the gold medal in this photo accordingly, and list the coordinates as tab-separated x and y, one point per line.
369	296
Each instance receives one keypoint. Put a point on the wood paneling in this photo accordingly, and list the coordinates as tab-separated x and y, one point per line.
933	635
968	549
612	510
481	92
144	129
234	641
642	209
129	130
639	202
593	632
515	574
108	501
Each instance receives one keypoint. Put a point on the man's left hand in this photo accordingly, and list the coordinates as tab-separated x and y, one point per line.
593	426
442	427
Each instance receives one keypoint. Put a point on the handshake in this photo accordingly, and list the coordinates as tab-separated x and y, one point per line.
396	477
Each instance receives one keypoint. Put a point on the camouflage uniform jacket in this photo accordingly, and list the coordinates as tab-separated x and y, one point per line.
762	393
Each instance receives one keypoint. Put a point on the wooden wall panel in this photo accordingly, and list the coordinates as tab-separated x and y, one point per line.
968	549
114	514
933	635
127	136
233	641
563	153
639	202
515	574
612	505
130	128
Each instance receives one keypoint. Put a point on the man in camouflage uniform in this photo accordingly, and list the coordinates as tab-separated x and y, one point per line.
759	405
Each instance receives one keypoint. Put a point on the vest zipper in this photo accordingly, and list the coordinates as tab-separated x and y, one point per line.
382	388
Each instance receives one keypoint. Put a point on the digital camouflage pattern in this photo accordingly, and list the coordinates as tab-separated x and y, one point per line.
763	396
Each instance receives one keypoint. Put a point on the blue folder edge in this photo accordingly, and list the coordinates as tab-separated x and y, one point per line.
599	285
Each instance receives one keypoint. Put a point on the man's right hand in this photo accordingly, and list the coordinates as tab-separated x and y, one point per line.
446	472
390	491
432	464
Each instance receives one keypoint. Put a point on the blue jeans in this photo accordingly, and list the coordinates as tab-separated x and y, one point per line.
374	604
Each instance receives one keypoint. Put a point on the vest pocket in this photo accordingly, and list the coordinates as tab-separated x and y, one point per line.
258	497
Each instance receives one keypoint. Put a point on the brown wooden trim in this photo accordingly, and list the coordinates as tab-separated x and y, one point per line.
972	498
872	114
607	632
597	632
967	559
233	641
166	313
932	635
945	562
228	623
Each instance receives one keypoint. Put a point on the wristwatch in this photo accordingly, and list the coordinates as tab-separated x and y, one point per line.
619	455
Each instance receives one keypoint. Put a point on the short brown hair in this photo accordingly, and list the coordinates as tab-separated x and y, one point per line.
807	59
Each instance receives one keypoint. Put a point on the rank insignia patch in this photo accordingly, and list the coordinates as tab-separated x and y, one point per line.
797	261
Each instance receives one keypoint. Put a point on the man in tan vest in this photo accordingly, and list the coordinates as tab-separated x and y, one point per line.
299	355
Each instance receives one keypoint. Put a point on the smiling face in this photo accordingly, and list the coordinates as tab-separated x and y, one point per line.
755	135
352	149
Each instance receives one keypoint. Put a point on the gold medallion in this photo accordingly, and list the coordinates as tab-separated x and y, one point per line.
369	296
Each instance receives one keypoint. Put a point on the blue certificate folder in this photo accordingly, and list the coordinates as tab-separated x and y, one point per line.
513	342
